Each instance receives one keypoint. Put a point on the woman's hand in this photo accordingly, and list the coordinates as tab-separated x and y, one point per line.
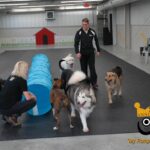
32	95
28	95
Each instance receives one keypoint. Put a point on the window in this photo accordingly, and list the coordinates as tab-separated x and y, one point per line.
50	15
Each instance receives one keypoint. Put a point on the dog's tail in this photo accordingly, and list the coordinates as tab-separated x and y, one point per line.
118	70
60	64
76	77
118	67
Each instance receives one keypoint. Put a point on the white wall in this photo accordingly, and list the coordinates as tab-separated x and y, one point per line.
71	18
132	24
120	13
140	13
20	28
137	23
140	24
120	26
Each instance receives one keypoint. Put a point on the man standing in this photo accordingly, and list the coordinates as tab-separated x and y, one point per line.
85	39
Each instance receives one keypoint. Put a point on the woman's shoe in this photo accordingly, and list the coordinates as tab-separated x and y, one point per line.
6	119
11	120
15	121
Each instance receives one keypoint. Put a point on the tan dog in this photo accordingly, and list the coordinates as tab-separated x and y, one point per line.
59	100
113	81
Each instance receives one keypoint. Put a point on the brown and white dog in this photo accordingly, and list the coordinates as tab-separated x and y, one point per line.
59	100
113	81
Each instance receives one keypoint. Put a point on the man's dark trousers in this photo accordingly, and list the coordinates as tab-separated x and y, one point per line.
89	60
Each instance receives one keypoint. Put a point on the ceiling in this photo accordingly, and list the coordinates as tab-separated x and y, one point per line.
9	5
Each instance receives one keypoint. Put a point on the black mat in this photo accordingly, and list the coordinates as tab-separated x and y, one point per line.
120	117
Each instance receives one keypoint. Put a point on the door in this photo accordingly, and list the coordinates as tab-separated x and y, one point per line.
110	26
45	39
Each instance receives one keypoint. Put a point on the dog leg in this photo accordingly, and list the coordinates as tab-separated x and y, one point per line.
120	87
115	92
69	116
54	113
110	96
120	91
57	116
84	122
73	114
70	120
53	110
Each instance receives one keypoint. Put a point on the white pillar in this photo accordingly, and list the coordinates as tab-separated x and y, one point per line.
127	27
114	26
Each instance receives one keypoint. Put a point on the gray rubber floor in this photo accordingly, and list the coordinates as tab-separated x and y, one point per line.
130	141
120	117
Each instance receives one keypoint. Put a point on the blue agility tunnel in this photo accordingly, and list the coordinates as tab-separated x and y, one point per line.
40	84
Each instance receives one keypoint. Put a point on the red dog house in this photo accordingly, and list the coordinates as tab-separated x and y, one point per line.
45	37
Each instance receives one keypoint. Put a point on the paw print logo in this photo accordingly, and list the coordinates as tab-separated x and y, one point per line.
143	124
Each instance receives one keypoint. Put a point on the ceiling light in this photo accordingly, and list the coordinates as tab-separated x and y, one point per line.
2	7
46	6
73	7
80	1
13	4
92	0
63	2
37	6
15	0
28	10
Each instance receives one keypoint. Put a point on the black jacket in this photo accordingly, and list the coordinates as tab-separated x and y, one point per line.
12	91
83	42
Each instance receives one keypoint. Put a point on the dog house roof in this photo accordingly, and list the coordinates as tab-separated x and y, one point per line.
44	30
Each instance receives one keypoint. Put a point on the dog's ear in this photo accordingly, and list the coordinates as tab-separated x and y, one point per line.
57	83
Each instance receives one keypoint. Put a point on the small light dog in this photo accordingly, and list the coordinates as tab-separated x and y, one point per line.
113	81
67	62
59	101
80	93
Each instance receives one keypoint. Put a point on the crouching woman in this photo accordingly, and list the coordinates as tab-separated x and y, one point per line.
11	104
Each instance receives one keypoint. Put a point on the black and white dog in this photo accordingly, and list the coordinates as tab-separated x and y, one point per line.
66	62
80	94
